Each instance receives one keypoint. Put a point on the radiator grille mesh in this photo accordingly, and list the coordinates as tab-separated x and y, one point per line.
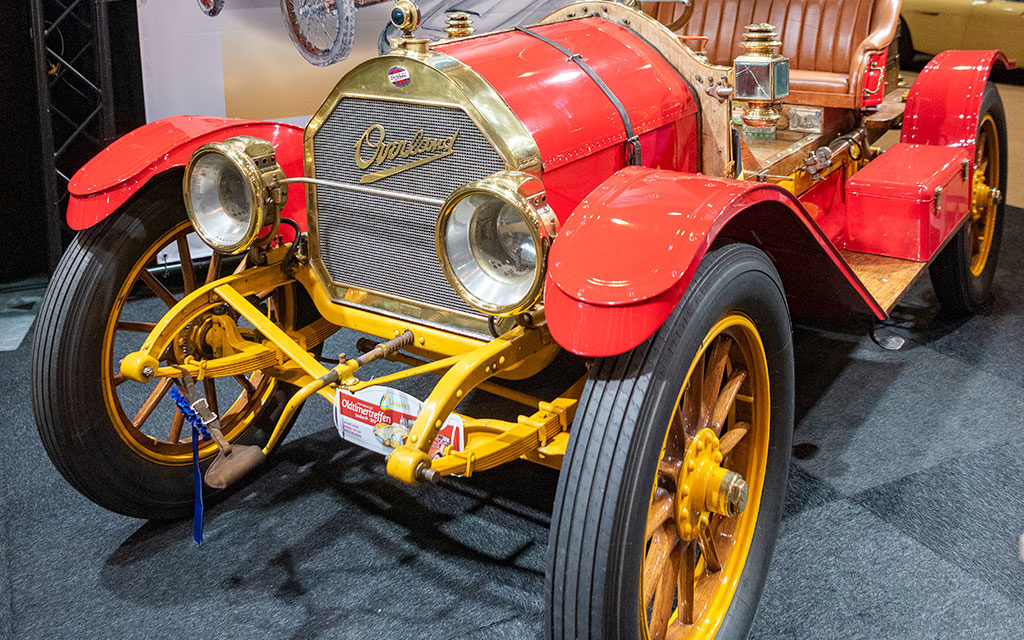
381	244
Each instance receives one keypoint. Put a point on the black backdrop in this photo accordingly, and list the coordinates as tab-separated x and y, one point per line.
22	230
22	205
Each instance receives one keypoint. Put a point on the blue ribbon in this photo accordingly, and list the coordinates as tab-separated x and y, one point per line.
199	431
197	482
189	413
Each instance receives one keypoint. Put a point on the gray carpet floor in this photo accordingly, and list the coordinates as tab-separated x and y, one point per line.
902	518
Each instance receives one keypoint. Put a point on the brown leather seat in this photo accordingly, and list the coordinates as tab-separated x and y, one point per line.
826	41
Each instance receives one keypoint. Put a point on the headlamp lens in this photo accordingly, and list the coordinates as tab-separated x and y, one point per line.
221	200
492	250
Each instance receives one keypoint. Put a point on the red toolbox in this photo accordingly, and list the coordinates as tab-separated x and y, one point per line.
908	201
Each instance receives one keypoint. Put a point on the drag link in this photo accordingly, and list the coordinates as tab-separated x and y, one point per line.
383	349
340	373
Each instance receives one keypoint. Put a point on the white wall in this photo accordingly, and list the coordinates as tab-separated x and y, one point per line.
240	63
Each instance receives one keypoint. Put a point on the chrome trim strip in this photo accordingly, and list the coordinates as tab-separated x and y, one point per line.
372	191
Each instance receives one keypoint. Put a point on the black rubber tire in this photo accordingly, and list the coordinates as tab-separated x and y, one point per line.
67	396
958	290
343	41
905	45
601	505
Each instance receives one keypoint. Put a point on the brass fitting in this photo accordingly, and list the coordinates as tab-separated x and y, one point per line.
732	495
760	39
460	25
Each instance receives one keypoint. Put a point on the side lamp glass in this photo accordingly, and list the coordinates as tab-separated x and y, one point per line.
232	190
492	241
761	76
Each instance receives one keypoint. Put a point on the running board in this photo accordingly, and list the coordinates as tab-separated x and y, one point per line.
887	279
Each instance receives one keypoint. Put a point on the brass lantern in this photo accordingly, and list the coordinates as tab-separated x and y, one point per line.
762	78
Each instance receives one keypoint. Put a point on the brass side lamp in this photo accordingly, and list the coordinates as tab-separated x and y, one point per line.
762	79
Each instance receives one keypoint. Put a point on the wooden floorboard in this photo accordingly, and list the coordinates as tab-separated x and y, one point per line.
886	278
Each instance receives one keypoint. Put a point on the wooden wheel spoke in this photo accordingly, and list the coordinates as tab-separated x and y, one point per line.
675	444
177	422
250	390
136	327
689	413
661	510
213	272
168	354
272	308
716	369
981	153
732	437
664	597
119	379
151	402
725	401
662	543
188	272
686	583
670	467
709	550
158	288
677	631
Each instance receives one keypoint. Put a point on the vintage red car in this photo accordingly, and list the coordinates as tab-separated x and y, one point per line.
589	198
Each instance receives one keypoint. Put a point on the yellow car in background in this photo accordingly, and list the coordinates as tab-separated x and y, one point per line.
932	26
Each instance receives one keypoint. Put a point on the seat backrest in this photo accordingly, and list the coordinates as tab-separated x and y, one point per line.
817	35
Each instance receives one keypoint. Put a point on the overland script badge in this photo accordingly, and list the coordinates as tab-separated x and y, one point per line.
399	76
374	149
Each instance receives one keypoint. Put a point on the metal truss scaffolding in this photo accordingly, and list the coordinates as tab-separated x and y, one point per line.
74	84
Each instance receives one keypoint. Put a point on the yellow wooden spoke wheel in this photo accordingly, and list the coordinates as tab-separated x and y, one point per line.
699	526
962	273
146	418
671	489
122	444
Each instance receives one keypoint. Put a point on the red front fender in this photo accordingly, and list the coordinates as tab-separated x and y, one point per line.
119	171
625	257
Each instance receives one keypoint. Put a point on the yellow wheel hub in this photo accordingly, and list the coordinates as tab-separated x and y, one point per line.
705	487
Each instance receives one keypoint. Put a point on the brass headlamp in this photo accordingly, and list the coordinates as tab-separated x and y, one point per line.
232	190
762	76
492	241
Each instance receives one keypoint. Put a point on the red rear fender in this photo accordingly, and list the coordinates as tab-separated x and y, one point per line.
625	257
119	171
943	103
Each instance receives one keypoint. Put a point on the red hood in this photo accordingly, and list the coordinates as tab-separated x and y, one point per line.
568	115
